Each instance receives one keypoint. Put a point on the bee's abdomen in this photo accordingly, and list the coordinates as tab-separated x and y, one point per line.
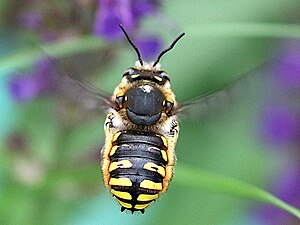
137	168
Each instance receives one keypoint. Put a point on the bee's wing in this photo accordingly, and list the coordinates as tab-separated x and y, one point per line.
84	93
213	101
76	89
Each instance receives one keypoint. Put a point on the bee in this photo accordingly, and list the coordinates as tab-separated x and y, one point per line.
141	132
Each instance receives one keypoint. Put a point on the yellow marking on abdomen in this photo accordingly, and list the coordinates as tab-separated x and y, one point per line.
125	204
150	185
164	155
156	168
115	137
165	141
146	197
120	181
141	206
120	164
121	194
113	150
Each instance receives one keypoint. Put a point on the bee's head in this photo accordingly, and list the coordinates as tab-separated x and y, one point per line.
144	104
146	99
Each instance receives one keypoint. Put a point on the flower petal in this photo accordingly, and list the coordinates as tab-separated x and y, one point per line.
24	88
142	8
149	46
280	125
287	66
110	14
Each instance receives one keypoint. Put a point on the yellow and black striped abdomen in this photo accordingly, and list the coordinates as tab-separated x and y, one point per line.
137	168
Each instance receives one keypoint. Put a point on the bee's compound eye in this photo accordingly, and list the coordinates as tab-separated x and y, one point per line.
168	106
120	101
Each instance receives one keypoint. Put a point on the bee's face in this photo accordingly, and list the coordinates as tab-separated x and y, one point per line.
144	104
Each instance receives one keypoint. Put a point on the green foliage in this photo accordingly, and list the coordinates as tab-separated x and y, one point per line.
191	177
26	57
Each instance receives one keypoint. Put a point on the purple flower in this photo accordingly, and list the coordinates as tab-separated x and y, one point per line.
149	46
31	20
25	87
287	66
287	188
142	8
111	13
280	125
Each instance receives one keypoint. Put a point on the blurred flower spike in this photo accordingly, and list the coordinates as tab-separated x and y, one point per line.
27	86
281	125
281	122
129	13
281	128
287	66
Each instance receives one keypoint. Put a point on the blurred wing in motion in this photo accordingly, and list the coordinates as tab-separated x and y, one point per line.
218	99
84	93
70	85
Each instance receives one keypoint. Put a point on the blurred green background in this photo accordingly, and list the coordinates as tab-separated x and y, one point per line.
50	171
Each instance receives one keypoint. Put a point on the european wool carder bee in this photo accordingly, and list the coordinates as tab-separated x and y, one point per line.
141	131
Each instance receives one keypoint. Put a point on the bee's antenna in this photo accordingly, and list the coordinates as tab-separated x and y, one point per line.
131	43
168	49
